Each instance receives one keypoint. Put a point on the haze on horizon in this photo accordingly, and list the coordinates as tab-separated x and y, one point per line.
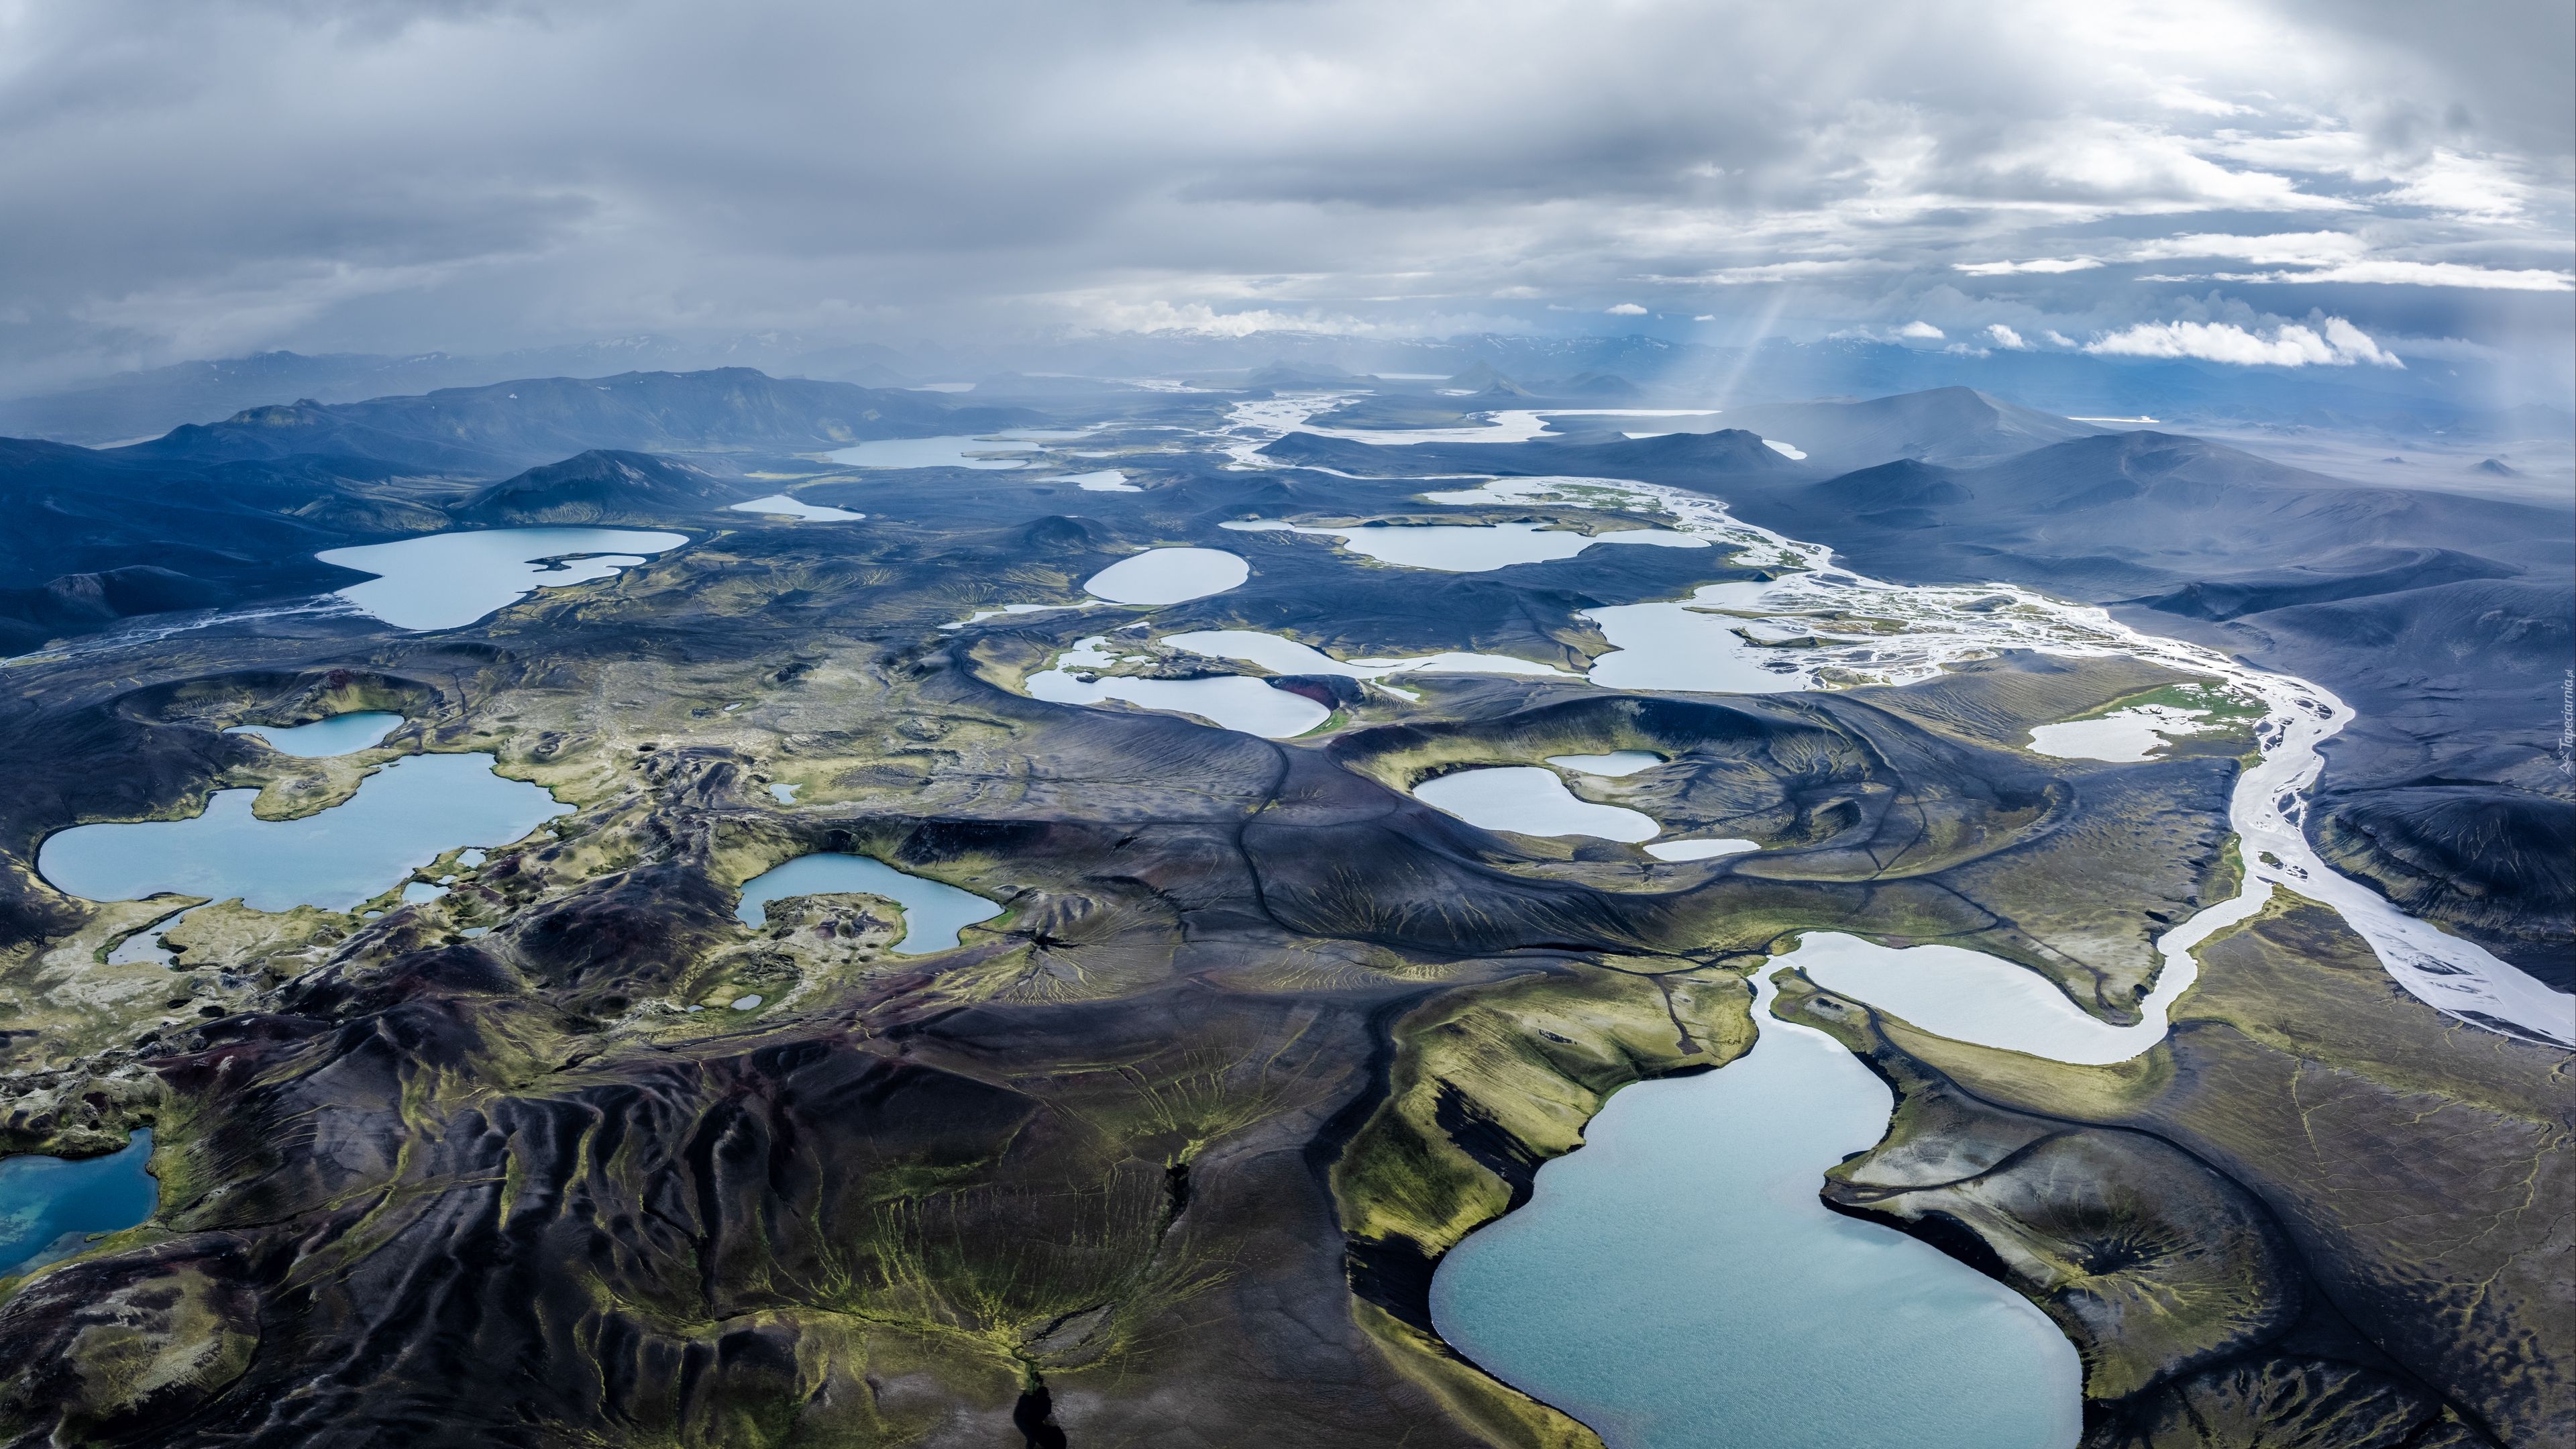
2268	185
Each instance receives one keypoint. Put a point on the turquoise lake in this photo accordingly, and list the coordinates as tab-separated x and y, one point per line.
1676	1284
402	817
932	910
44	1200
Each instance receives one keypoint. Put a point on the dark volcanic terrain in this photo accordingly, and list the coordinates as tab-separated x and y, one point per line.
1167	1152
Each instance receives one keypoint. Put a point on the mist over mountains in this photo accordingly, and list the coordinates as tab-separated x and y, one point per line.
2454	399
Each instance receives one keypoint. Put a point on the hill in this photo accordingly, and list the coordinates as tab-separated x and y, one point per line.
1953	425
601	486
487	432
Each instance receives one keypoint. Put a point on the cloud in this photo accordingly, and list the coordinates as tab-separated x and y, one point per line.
2184	98
486	174
1625	309
2333	342
2107	167
2470	188
2329	256
2420	274
1198	317
1810	269
2045	266
1921	329
2296	249
2057	338
2005	337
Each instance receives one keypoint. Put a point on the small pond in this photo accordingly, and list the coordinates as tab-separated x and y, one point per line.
1013	610
1676	1284
2123	736
1532	801
341	734
1706	848
932	910
1107	480
448	580
1615	764
149	946
401	818
780	505
48	1205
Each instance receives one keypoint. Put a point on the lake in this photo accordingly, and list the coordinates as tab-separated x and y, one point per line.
448	580
341	734
1229	701
1471	548
1532	801
401	818
49	1204
1677	645
1168	576
2124	735
1676	1284
932	910
1282	655
780	505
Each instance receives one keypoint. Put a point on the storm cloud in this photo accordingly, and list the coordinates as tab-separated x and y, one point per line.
186	180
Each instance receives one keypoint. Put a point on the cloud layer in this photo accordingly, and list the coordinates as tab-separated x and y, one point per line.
2334	342
190	180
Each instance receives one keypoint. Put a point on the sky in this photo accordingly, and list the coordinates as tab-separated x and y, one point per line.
2264	183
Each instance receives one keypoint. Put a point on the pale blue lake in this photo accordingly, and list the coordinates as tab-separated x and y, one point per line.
1676	1284
932	910
341	734
402	817
447	580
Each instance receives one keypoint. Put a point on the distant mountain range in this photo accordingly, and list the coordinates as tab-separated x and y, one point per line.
486	431
2454	399
134	406
1952	425
217	513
